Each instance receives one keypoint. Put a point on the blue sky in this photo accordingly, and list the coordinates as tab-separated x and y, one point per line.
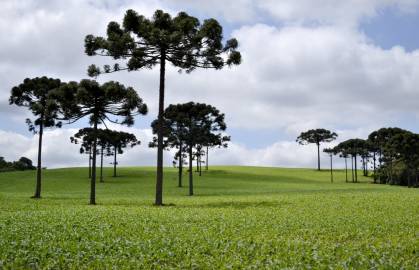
339	65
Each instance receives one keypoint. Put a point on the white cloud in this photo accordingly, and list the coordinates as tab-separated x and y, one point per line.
293	77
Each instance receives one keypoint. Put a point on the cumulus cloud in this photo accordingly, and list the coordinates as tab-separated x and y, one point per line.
316	69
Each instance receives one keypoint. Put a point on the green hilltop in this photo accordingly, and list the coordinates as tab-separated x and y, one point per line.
241	217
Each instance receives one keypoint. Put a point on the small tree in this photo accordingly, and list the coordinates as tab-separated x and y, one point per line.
218	140
85	137
330	152
192	123
316	136
118	140
144	43
34	94
99	102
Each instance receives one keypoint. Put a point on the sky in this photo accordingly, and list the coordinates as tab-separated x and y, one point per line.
349	66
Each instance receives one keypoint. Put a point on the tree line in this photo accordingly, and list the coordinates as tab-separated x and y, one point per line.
388	155
140	43
22	164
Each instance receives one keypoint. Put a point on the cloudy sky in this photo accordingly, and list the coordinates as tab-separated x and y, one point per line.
350	66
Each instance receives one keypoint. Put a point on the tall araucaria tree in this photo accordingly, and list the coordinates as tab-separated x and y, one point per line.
34	94
143	43
107	102
316	136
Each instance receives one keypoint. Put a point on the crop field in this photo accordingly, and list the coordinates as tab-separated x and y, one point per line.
240	218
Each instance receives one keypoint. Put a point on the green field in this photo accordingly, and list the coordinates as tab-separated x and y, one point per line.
240	218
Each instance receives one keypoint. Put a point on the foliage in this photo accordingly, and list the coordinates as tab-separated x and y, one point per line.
246	218
107	102
316	136
35	94
143	43
189	126
22	164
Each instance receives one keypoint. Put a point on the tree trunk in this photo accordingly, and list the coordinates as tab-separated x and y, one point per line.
200	166
346	170
356	171
90	162
93	179
352	168
206	163
197	162
366	166
331	168
318	156
101	164
159	179
37	194
190	172
114	161
180	164
375	169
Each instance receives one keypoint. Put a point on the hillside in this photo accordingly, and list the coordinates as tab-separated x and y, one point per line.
241	217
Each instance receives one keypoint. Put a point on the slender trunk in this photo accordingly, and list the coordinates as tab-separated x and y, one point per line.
356	171
318	156
366	166
114	161
200	166
375	169
90	162
391	171
331	168
206	163
159	179
37	194
101	164
380	163
93	179
352	168
346	170
197	163
180	165
190	172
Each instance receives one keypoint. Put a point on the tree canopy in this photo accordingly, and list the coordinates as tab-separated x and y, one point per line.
316	136
110	101
143	43
35	94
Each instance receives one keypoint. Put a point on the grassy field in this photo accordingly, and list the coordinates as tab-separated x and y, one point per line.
240	218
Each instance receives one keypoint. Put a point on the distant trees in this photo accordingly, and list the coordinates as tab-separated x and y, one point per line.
181	40
189	126
316	136
34	94
99	102
393	152
118	140
22	164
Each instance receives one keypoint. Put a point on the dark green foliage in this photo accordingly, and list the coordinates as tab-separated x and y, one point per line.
35	94
191	126
110	101
143	43
316	136
22	164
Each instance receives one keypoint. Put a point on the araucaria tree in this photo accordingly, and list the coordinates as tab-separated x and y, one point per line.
181	40
193	125
35	95
118	140
107	102
316	136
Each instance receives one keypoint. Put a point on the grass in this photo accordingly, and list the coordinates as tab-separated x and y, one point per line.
240	218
